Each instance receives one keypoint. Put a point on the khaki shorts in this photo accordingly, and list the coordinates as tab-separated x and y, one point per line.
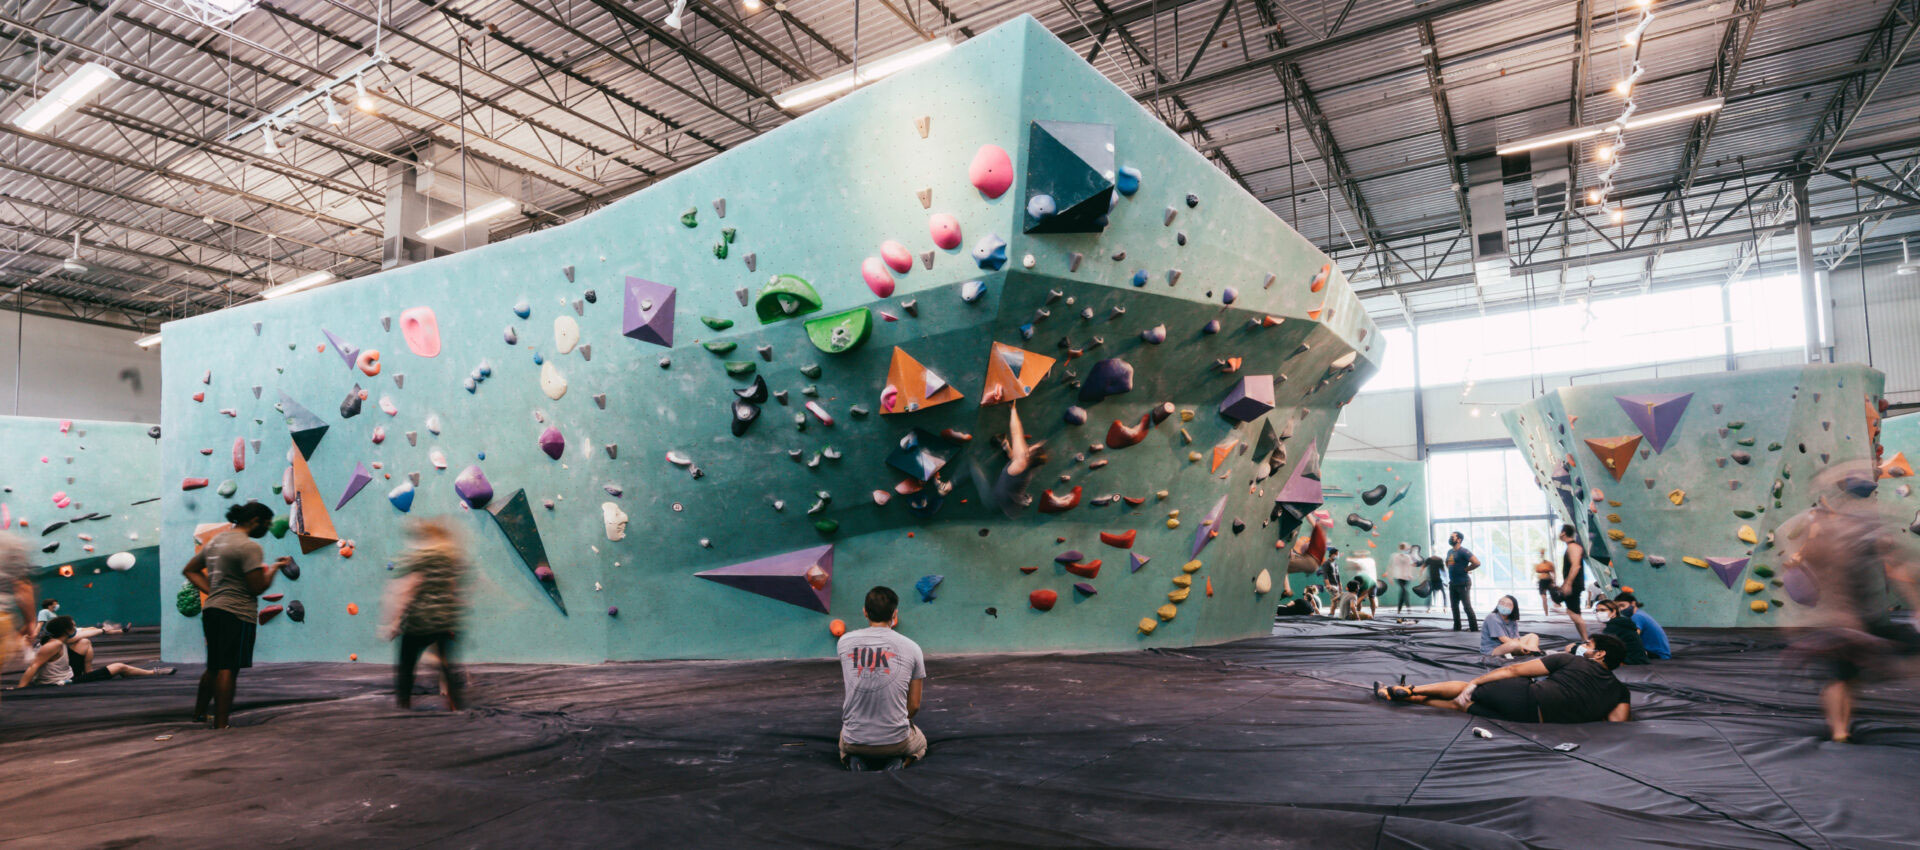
9	639
914	747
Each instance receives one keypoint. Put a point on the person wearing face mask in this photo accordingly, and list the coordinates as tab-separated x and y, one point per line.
1565	687
1652	636
48	610
229	571
1501	635
1621	626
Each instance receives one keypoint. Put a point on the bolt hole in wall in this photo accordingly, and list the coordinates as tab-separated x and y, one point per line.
1474	368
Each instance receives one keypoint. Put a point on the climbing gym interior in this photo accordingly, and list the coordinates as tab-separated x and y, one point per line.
1147	422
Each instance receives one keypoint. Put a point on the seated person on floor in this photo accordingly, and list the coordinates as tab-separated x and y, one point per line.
1620	626
1347	604
882	670
1576	687
1652	636
65	658
1500	634
1307	603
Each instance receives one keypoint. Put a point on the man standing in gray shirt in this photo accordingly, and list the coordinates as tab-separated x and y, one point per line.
883	671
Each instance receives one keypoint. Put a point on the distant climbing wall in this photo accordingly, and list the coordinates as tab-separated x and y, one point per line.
1677	482
1899	452
1375	506
85	497
704	421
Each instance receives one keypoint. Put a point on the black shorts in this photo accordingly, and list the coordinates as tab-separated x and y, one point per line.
1506	699
229	640
97	674
1546	584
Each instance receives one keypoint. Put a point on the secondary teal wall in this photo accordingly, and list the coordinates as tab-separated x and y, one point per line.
1900	435
1798	419
102	467
811	199
1393	523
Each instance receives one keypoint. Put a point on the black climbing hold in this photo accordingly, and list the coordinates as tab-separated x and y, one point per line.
757	393
1373	496
744	412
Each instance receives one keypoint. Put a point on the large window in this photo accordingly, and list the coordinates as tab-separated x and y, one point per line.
1489	496
1613	332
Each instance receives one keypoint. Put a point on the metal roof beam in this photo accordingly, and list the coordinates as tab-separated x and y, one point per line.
1883	51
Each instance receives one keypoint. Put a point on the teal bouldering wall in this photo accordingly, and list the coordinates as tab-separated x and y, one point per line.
1899	458
815	199
1400	515
1739	449
108	477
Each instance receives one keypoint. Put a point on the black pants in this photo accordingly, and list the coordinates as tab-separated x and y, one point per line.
411	646
1436	592
1403	593
1462	596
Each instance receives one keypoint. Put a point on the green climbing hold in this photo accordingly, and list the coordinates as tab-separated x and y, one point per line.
228	488
716	322
841	332
811	370
826	526
719	250
187	601
740	368
1773	447
1763	571
279	528
720	346
1743	513
1744	441
784	297
691	217
726	234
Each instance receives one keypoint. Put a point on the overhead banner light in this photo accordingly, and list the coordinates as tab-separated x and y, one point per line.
487	211
298	284
851	78
148	341
70	93
1576	134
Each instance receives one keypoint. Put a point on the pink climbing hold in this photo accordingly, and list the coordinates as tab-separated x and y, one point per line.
897	256
239	453
552	442
945	230
991	171
67	424
193	483
422	331
876	276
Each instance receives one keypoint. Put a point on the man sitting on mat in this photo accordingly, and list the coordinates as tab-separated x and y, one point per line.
1620	626
50	664
1652	636
882	670
1576	687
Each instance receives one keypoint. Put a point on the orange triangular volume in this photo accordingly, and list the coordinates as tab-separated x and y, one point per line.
1012	373
1313	314
911	382
310	521
1896	467
1615	452
1223	450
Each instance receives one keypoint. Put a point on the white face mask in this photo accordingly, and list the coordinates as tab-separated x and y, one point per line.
1580	650
1504	609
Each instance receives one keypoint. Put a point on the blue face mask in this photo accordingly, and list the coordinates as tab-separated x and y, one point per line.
1504	609
1580	650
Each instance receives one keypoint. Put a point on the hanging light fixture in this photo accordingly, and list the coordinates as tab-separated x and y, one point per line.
72	263
333	111
362	100
1907	265
673	17
266	133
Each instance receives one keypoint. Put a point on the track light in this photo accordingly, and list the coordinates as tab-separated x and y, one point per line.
333	112
1907	265
673	17
1604	153
1593	196
361	99
266	133
1577	134
752	5
1619	215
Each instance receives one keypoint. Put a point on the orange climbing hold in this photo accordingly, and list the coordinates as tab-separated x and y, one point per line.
837	628
1121	435
353	610
1896	467
1320	280
1223	450
1123	540
1615	452
1209	585
1085	569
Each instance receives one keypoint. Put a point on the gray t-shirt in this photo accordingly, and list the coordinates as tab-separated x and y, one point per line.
230	556
13	570
877	664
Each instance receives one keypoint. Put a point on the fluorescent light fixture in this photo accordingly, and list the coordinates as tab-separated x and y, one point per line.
1577	134
848	80
71	92
148	341
488	210
752	5
297	284
1907	265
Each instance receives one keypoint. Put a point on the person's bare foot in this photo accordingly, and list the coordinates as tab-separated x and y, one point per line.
163	671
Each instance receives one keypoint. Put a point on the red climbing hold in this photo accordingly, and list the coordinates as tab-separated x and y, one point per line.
1042	600
193	483
1123	540
1085	569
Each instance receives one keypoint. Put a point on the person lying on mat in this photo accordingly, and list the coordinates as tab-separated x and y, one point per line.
1306	603
1621	626
1576	687
52	665
1652	636
1500	634
882	670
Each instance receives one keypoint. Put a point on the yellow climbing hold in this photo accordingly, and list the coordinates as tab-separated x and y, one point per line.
1193	457
1746	534
1629	542
1166	612
1186	415
1636	555
1759	606
1173	523
1692	561
1613	518
1179	595
1677	496
1183	580
1614	503
1147	625
1616	534
1190	567
1754	586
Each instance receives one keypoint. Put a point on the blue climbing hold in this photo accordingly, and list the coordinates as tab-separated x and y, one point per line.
928	586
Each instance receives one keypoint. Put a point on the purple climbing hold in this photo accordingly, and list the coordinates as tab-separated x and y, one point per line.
613	610
361	478
1211	327
649	312
1108	377
473	487
1154	335
1085	587
1135	561
1229	295
803	577
1800	587
347	351
1071	556
1250	399
1075	415
552	442
1728	569
1656	415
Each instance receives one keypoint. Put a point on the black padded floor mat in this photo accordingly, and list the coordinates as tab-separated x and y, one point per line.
1263	743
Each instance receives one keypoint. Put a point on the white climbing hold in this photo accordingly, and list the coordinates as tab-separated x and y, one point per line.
552	382
615	519
566	334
